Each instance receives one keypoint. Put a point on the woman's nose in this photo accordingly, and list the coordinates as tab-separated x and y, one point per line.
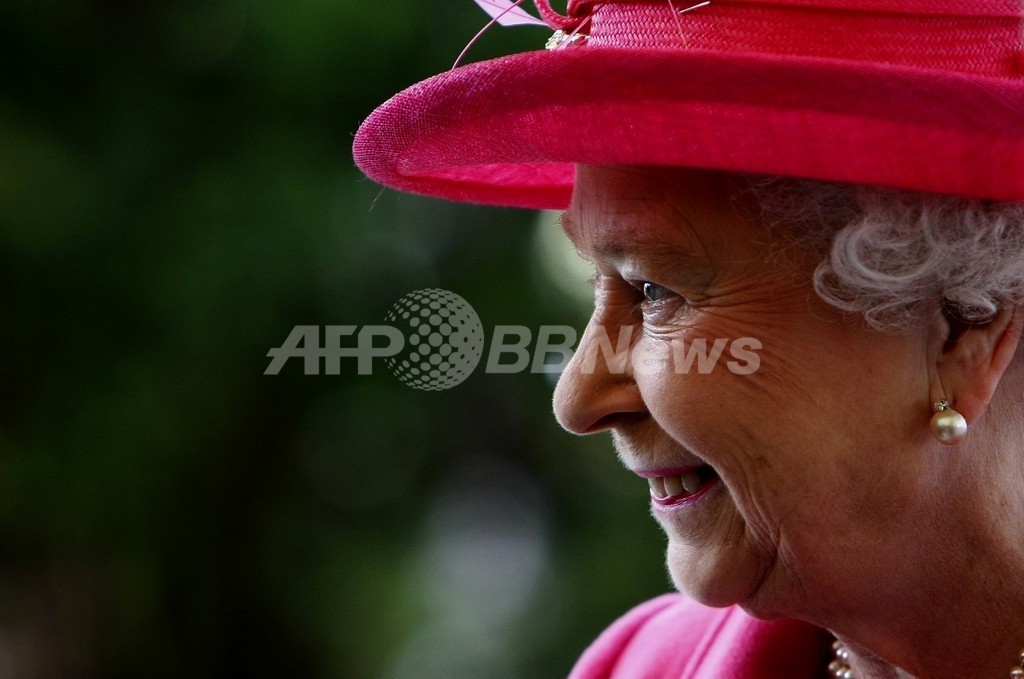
597	391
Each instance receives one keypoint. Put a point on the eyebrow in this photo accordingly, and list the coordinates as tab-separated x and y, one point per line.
568	223
629	244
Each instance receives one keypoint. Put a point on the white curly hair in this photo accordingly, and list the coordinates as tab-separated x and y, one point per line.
889	255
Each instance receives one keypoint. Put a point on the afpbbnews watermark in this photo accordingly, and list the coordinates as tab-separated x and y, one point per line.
434	340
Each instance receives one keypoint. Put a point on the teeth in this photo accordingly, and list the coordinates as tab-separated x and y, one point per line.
658	488
691	481
673	486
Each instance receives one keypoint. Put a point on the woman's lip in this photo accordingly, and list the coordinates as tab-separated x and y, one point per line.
673	471
679	501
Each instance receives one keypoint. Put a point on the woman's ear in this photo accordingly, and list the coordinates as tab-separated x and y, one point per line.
968	360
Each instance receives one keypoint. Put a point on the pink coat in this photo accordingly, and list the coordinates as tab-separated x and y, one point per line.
672	637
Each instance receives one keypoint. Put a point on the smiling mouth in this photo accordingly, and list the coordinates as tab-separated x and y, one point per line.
669	490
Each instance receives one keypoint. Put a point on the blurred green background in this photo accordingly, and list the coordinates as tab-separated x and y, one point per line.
176	193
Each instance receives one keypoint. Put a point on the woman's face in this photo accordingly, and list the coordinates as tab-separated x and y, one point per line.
789	466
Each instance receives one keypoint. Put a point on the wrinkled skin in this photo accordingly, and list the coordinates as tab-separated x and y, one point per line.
831	500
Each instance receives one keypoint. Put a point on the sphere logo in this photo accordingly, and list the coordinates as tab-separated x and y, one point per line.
444	339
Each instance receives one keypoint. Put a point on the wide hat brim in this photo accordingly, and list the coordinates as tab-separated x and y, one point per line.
509	131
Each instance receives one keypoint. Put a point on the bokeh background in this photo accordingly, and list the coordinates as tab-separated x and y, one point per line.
176	193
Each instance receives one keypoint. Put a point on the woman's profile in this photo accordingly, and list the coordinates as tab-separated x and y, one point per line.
840	185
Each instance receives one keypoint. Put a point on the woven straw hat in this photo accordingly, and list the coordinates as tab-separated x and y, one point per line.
917	94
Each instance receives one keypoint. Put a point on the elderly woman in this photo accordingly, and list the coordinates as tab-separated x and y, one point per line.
838	184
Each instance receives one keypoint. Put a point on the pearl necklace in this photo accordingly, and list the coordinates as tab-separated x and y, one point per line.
840	667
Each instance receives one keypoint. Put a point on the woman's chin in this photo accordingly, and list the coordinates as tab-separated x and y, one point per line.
713	577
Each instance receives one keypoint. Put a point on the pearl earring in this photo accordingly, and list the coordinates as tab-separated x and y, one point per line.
948	426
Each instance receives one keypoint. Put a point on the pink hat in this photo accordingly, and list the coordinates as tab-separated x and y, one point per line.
917	94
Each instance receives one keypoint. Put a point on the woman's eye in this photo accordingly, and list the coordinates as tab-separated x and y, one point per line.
654	292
